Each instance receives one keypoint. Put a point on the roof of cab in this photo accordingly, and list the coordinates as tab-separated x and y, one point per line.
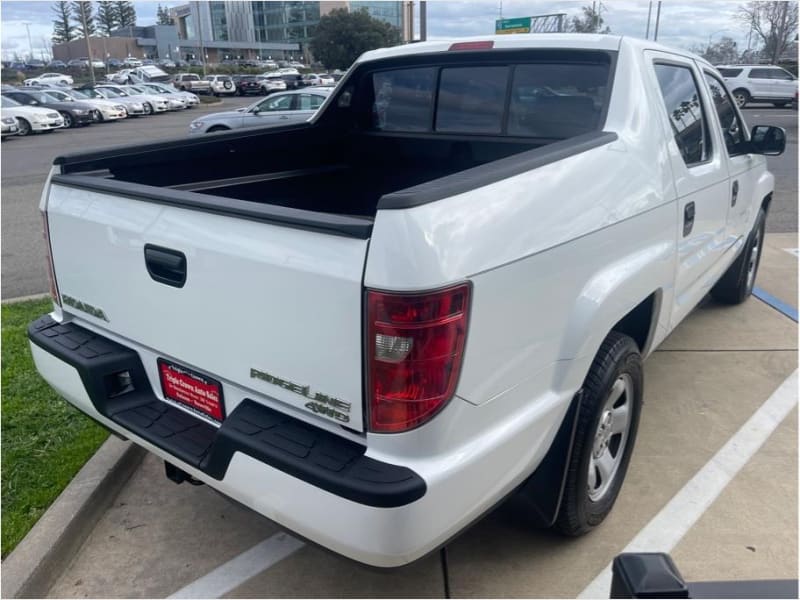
581	41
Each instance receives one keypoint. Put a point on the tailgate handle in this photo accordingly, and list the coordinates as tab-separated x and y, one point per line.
165	265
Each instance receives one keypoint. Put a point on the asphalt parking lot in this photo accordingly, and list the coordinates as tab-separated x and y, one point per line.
705	386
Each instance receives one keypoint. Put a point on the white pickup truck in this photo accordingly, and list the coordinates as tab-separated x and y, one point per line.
374	326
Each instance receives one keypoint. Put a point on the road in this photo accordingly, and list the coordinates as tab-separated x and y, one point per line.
26	162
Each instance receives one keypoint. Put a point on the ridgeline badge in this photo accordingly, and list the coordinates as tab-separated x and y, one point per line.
84	307
320	403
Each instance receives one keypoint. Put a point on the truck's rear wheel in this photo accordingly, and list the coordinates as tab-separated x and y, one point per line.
736	285
604	436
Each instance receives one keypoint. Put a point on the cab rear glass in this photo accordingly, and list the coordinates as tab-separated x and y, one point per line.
549	99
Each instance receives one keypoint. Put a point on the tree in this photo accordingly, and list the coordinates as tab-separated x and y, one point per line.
591	22
342	36
722	52
63	29
126	14
162	15
107	20
775	23
82	13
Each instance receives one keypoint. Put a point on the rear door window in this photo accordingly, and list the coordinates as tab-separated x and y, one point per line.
760	74
310	101
403	99
472	100
730	72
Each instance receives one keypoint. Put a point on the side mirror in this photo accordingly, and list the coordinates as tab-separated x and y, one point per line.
255	110
767	140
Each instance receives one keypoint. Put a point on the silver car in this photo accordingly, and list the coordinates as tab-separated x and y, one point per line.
277	109
134	107
189	98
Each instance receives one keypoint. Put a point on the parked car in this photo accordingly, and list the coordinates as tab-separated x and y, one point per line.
189	99
148	62
8	126
50	79
131	62
57	64
35	64
759	83
74	114
194	63
293	82
221	85
278	109
247	84
272	82
190	82
152	103
134	107
174	102
315	79
114	63
30	119
166	63
78	63
374	326
105	110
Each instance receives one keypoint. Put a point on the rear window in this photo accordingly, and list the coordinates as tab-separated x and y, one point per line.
730	72
549	99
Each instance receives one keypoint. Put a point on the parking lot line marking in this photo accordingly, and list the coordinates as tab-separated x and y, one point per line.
777	304
668	527
793	251
236	571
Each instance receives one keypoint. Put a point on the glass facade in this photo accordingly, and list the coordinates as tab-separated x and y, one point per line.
219	21
391	12
285	21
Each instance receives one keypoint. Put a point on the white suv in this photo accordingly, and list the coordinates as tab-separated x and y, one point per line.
759	83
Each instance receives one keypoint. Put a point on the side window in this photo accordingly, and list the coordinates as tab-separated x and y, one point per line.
310	101
760	74
732	128
276	103
781	75
685	111
403	99
730	72
472	100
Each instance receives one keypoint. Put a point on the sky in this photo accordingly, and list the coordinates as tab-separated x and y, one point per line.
683	24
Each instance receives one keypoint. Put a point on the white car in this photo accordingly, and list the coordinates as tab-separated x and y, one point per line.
222	85
190	100
132	62
375	325
8	126
152	103
272	82
106	110
133	107
759	83
315	79
50	79
31	119
175	103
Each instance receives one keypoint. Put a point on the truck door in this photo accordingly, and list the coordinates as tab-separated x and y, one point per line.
731	131
701	178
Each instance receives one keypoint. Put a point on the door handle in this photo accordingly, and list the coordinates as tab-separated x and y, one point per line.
283	117
165	265
734	193
688	218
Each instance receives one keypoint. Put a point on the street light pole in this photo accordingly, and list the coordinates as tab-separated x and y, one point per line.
658	20
88	44
649	14
30	45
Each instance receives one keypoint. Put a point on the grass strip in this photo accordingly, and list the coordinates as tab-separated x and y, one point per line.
45	440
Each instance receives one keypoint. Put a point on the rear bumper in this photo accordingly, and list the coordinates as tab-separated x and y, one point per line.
384	509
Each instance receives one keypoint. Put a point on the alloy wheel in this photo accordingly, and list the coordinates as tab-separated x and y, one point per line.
610	437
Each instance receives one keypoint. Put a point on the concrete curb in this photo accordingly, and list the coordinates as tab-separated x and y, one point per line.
40	558
26	298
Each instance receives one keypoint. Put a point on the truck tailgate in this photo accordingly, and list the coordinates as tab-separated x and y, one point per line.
273	309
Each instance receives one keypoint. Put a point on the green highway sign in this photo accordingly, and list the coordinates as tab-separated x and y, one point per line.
518	25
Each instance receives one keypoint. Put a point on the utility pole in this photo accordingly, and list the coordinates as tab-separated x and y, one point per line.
30	45
423	21
658	20
88	44
649	14
200	35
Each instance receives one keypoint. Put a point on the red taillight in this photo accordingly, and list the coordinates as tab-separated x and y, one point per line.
415	343
486	45
51	272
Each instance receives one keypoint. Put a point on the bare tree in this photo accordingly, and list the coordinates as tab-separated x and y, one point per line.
775	23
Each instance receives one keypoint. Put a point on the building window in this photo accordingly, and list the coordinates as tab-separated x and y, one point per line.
219	23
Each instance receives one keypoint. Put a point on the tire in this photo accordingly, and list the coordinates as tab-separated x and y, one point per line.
68	120
24	127
97	116
736	285
604	435
742	97
218	128
148	108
